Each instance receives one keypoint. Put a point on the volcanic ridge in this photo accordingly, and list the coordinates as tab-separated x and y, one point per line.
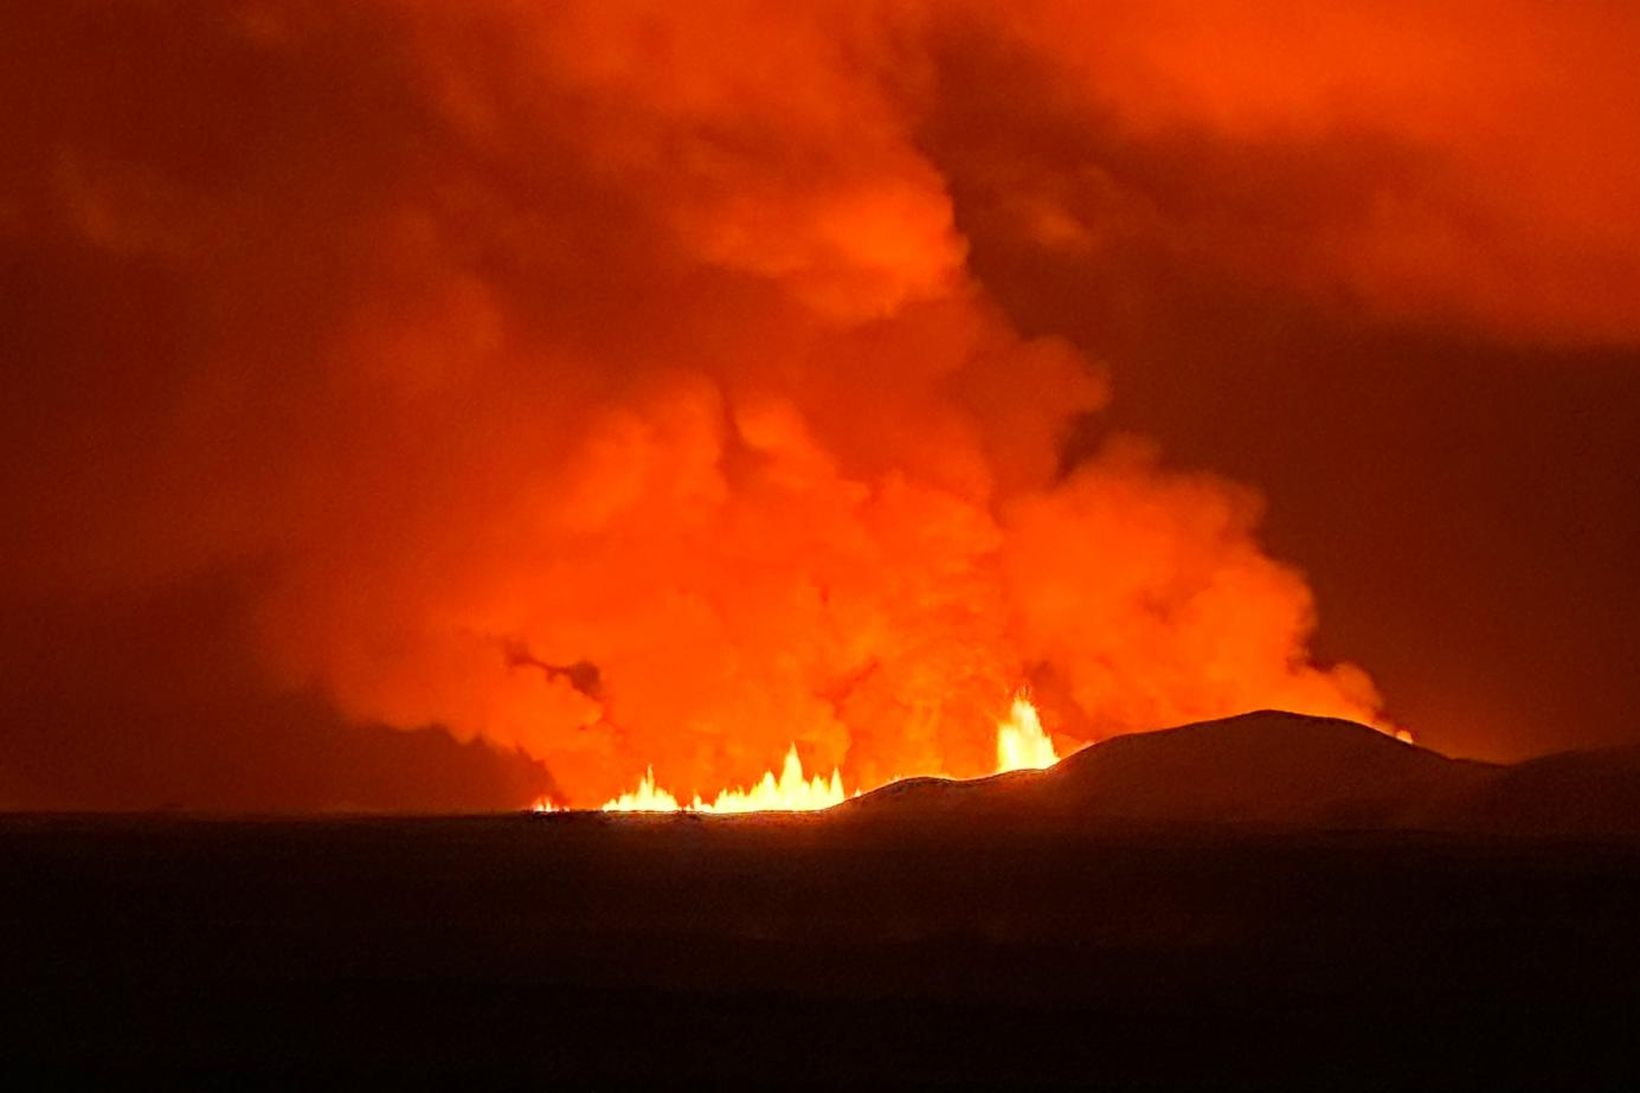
1279	769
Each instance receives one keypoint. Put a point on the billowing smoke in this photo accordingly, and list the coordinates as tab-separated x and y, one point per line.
605	381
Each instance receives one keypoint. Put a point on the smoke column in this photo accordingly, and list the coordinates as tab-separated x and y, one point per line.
608	382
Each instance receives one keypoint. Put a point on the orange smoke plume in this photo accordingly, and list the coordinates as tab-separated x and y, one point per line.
610	381
697	440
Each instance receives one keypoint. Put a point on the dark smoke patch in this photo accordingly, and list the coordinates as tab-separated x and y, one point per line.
155	704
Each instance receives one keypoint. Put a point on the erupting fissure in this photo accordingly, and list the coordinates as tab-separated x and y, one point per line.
1021	745
790	792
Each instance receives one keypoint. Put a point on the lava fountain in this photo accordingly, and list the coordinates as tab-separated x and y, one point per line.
1022	744
792	791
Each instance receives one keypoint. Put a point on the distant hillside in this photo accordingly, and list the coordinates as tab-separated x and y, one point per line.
1284	769
1572	793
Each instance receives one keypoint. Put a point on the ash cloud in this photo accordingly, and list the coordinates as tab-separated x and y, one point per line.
644	338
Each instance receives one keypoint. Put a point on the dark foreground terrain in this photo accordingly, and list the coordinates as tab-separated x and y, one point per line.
854	949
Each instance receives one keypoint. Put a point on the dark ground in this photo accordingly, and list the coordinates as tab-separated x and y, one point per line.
779	951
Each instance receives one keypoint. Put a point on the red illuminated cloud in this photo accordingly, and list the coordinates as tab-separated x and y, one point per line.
643	336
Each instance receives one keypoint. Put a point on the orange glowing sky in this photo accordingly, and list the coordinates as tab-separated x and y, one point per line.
430	405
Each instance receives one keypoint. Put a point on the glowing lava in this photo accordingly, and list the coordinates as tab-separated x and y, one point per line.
1021	745
646	798
791	792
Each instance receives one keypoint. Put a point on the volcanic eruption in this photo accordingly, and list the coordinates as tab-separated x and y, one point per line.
618	386
621	395
458	456
1021	745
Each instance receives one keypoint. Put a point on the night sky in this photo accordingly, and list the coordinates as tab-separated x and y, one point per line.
817	373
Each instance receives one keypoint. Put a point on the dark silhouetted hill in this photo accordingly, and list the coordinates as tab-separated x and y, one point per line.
1271	768
1577	793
